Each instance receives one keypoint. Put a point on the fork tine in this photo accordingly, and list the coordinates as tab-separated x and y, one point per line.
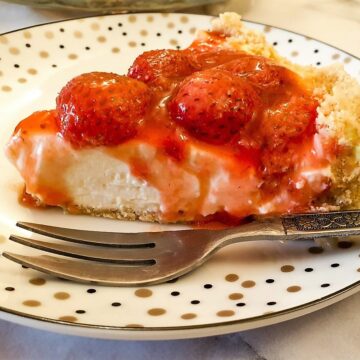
119	255
112	239
92	272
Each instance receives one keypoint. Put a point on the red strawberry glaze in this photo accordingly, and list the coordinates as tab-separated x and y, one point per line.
213	105
156	67
51	187
221	146
101	109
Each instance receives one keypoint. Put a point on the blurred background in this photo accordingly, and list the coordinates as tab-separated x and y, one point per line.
333	21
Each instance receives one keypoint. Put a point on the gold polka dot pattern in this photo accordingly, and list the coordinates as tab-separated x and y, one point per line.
248	284
156	311
287	268
27	34
61	295
144	293
4	40
231	277
14	51
78	34
188	316
37	281
95	26
293	288
225	313
235	296
6	88
111	38
49	34
32	303
32	71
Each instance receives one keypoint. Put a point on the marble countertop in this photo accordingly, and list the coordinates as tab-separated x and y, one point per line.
331	333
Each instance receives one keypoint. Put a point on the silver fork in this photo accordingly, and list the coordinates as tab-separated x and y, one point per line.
125	259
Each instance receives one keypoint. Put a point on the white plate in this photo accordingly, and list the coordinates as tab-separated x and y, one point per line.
242	287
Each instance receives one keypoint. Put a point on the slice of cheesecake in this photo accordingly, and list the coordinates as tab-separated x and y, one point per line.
223	129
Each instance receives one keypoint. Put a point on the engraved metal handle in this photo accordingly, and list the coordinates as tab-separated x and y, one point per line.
296	226
336	223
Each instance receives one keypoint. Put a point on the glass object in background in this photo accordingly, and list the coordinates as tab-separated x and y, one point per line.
114	5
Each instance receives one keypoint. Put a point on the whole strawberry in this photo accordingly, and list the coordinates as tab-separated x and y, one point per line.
101	108
159	66
213	105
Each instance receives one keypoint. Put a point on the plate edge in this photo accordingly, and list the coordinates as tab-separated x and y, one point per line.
177	13
343	293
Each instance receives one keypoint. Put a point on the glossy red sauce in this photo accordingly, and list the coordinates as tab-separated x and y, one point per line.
40	122
279	135
51	186
28	200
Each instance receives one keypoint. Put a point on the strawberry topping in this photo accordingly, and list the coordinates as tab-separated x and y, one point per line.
259	71
287	121
257	117
213	105
283	128
202	59
158	66
174	148
101	109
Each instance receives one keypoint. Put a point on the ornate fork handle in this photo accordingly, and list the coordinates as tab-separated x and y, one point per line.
297	226
321	221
